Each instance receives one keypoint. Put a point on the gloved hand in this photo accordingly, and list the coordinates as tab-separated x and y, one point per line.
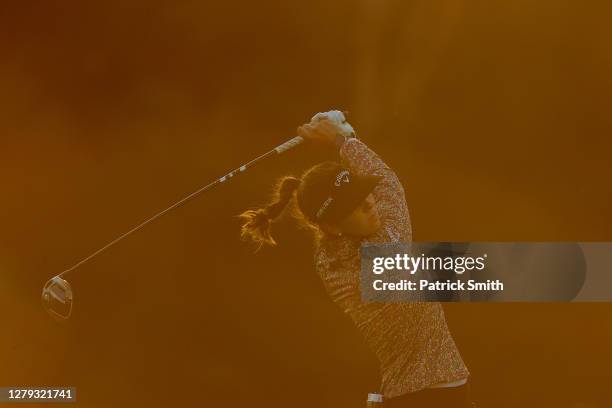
327	127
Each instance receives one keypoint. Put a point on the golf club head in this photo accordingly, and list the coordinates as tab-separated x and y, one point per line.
57	298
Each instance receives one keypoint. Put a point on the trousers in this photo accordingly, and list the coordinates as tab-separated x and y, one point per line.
452	397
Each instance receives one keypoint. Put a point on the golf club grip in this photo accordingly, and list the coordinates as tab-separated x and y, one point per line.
289	144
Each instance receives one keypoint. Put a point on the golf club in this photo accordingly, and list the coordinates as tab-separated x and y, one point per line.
57	296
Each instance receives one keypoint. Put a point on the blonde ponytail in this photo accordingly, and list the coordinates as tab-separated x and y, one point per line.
257	223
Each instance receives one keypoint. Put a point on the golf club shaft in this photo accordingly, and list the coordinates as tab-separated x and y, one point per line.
276	151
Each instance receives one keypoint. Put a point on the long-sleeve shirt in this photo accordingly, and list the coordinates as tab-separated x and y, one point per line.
411	340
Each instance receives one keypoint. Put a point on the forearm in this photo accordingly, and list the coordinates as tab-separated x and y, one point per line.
359	158
389	193
362	160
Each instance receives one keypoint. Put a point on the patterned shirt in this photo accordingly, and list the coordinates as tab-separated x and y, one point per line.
410	339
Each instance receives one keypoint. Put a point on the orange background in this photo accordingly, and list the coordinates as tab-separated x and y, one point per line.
495	115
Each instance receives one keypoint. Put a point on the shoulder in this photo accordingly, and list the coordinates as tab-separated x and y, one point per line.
330	252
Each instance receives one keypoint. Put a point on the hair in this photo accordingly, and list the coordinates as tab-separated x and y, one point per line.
288	190
257	223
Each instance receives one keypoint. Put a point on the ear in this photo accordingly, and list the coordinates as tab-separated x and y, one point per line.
330	228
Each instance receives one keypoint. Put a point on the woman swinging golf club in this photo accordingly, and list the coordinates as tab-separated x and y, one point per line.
358	199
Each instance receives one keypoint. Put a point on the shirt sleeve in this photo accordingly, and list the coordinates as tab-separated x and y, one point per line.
389	192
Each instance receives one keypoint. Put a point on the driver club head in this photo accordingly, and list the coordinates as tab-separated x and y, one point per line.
57	298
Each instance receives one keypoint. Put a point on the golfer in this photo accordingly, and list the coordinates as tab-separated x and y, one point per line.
346	203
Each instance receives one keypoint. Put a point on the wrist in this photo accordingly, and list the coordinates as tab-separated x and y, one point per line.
346	146
339	140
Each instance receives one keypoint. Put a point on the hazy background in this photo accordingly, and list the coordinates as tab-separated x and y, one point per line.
494	114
